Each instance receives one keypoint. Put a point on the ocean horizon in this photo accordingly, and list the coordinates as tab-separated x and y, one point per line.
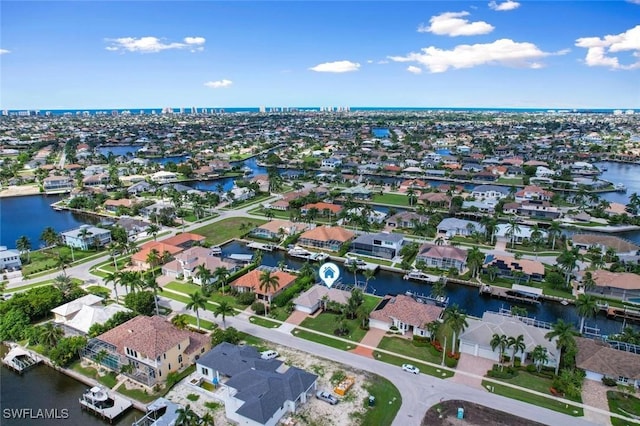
219	110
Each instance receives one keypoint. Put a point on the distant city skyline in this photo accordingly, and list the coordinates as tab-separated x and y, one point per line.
222	54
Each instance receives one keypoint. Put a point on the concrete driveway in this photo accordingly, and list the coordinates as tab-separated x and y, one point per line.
475	365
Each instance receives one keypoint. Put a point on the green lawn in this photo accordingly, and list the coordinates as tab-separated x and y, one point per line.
264	322
45	260
326	322
108	380
323	340
204	324
625	405
394	199
188	288
387	403
227	229
530	398
530	381
424	368
39	284
375	260
405	347
139	395
509	181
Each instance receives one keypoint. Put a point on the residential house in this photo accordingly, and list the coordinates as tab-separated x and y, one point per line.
406	219
326	237
152	346
331	163
490	191
382	244
404	313
324	209
140	258
435	199
476	338
415	184
314	298
96	180
57	183
68	310
521	234
113	205
134	227
599	360
442	256
357	192
532	208
163	176
139	187
604	242
452	227
255	391
184	240
77	316
86	236
622	285
250	282
9	259
532	192
510	267
186	264
276	229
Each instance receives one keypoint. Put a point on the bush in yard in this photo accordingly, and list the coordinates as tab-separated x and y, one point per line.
246	298
608	381
258	307
502	372
142	302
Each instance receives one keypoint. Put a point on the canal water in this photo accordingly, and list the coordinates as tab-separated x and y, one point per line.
466	297
44	388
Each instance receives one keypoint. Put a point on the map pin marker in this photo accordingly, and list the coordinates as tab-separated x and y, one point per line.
329	273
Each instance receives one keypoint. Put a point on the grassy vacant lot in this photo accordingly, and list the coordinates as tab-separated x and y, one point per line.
188	288
323	340
394	199
621	403
227	229
424	368
530	398
405	347
40	284
387	404
44	260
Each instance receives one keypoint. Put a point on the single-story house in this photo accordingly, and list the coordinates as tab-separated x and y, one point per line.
618	284
521	233
67	311
598	359
404	313
406	220
313	299
275	229
187	263
452	226
508	266
604	242
251	282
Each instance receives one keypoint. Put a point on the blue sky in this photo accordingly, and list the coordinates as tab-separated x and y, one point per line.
132	54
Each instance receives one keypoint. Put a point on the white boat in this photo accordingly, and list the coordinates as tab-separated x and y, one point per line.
420	276
215	251
300	252
619	187
354	260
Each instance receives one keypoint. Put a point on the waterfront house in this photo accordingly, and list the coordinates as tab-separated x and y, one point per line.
113	205
140	258
442	256
151	346
57	183
139	187
323	209
250	282
599	360
314	298
452	227
435	199
77	316
490	192
86	236
415	184
622	285
357	192
331	163
255	391
604	242
476	338
326	237
100	179
406	220
67	311
9	259
510	267
275	229
532	192
186	264
162	177
134	227
532	208
405	314
184	240
382	244
520	235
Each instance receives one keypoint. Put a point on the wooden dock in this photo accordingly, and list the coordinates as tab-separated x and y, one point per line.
624	313
507	294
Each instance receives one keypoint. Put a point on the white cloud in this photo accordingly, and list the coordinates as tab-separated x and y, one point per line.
153	44
599	50
415	70
337	66
634	1
453	25
219	84
504	52
505	6
4	51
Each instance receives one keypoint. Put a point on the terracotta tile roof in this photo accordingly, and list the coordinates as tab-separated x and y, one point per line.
252	281
600	358
185	237
407	310
328	233
275	225
149	336
442	252
145	249
527	266
623	280
335	209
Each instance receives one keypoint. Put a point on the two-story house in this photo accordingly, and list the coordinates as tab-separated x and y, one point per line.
326	237
382	244
442	256
86	236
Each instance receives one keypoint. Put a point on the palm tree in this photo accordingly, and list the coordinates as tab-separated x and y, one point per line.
587	307
587	281
153	259
223	309
539	356
24	246
49	236
222	275
180	321
204	275
475	259
536	239
130	280
501	341
151	283
64	284
63	262
207	419
553	231
186	416
563	332
411	193
153	229
268	283
196	302
512	229
433	328
50	335
567	260
113	278
456	320
369	274
517	345
353	267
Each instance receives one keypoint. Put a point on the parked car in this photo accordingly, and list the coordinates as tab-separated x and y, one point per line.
411	368
327	397
269	355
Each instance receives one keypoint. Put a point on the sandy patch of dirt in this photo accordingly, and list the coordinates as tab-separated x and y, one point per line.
445	414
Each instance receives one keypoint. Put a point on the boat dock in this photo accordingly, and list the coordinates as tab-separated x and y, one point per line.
508	294
624	313
421	276
20	360
261	246
98	401
302	253
360	264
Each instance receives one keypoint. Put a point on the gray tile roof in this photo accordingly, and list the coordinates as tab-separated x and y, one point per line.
231	360
384	236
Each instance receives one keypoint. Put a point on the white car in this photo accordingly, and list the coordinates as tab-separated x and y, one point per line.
269	355
410	368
